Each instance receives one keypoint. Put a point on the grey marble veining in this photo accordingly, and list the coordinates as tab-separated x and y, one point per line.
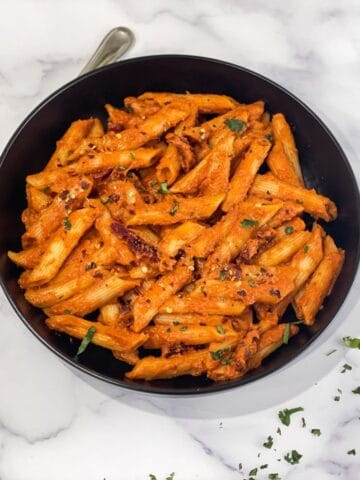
56	426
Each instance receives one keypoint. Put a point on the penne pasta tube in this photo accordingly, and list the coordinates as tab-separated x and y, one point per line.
310	298
28	258
187	335
169	166
148	303
175	210
60	246
180	237
110	314
37	199
315	204
151	368
245	172
99	293
208	306
118	339
283	250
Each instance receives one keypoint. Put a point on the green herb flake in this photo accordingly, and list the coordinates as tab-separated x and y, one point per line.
285	414
67	224
293	457
47	190
289	230
240	466
226	361
269	137
274	476
174	208
351	452
175	322
168	329
286	334
183	329
352	342
163	188
85	341
331	352
129	109
247	223
303	423
90	265
132	155
253	472
153	183
152	477
316	432
217	354
264	466
269	442
337	398
278	431
223	274
306	248
220	329
262	270
171	476
356	390
67	311
235	124
345	367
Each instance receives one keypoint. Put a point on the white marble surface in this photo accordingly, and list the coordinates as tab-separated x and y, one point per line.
56	426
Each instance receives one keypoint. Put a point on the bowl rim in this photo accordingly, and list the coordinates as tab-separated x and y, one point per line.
147	388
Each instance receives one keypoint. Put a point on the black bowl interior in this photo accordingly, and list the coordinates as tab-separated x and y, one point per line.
324	165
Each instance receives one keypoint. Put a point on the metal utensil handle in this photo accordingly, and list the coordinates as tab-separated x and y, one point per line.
114	45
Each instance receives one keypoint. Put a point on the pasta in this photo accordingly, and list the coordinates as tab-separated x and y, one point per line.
178	229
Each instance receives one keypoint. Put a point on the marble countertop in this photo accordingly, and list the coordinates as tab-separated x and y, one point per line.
55	425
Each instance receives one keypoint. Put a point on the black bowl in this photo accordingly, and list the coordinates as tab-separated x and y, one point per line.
323	162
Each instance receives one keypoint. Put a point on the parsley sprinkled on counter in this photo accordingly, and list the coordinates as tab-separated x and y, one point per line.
235	124
351	452
356	390
269	442
163	188
253	472
152	477
264	466
274	476
293	457
303	422
352	342
85	341
285	414
278	431
345	367
316	432
331	352
171	476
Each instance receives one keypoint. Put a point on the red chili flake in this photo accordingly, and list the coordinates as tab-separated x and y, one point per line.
98	275
275	293
64	194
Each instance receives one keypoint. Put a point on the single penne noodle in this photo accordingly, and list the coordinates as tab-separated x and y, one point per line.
283	250
37	199
60	246
180	237
283	135
297	224
99	293
169	166
310	298
208	306
245	173
281	167
28	258
315	204
147	305
110	314
151	368
175	210
187	335
118	339
91	163
205	103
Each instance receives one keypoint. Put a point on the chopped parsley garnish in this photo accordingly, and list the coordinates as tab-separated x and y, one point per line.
274	476
174	208
278	431
316	432
337	398
183	329
90	265
220	329
218	354
85	341
356	390
132	155
331	352
286	334
223	275
226	361
67	311
269	137
285	414
303	423
352	342
351	452
293	457
235	124
269	442
264	466
306	248
247	223
163	188
345	367
289	230
175	322
67	223
253	472
47	190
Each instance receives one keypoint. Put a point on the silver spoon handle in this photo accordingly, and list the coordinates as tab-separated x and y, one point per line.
114	45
